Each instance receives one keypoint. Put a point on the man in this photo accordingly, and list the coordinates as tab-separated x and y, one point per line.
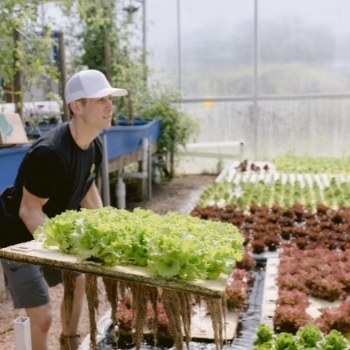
58	173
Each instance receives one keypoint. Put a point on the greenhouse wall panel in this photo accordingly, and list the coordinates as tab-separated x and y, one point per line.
273	73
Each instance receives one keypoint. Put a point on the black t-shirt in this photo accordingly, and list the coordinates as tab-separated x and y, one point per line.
55	168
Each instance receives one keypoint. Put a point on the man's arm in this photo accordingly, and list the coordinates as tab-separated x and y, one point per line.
92	199
31	210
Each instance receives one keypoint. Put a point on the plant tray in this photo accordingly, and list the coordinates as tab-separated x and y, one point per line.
33	252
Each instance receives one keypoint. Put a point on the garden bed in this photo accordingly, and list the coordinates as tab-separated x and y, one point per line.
306	224
269	230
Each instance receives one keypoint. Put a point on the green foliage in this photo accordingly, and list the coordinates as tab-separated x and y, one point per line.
285	341
177	127
306	181
29	54
103	29
264	337
334	341
97	27
334	194
299	165
171	246
107	43
308	337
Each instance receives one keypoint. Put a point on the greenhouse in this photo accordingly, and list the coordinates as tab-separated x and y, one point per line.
223	176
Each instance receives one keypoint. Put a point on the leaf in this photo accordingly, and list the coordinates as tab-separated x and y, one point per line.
172	245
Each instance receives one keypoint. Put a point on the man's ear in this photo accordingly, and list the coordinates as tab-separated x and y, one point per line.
76	107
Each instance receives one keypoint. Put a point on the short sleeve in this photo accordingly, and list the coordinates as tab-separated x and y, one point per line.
43	171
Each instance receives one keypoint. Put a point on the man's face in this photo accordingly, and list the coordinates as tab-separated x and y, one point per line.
97	112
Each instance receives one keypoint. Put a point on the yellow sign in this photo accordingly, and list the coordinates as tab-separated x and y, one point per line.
208	104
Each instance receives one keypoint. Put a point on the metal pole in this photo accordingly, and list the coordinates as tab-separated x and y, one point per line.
120	191
179	53
62	64
144	42
149	170
144	167
105	173
256	81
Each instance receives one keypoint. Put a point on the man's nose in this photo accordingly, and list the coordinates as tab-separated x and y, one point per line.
110	105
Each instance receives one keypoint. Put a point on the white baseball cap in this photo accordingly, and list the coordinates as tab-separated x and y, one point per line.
90	83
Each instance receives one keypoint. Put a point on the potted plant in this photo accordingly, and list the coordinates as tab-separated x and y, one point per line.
176	126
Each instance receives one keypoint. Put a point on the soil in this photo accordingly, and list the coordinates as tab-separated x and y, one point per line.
179	194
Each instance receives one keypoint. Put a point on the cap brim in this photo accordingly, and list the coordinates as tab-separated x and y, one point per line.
109	91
